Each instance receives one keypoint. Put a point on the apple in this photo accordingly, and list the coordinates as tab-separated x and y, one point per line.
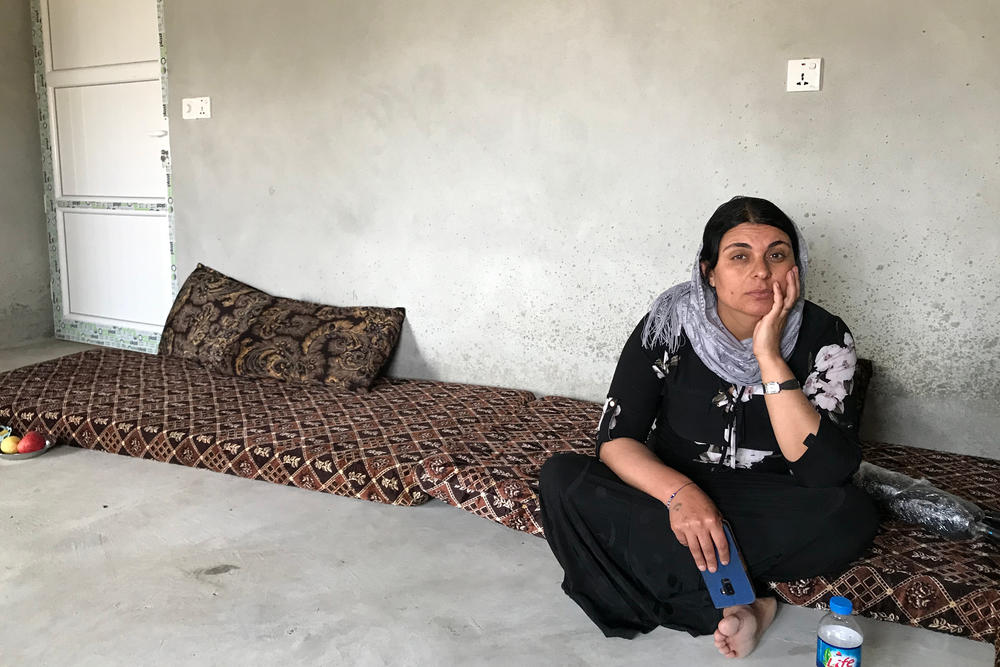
31	442
9	444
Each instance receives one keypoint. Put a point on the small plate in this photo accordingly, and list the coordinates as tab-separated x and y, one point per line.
49	444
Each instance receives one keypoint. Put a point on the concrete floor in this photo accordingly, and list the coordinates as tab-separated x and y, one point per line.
36	351
108	560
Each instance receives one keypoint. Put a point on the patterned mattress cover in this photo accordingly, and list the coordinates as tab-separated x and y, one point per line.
478	448
494	472
908	576
164	408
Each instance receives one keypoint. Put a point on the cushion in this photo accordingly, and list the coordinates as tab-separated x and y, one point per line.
863	373
297	341
233	328
209	314
913	576
306	435
493	471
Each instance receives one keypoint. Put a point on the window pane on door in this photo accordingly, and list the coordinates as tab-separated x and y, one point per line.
103	135
102	32
116	267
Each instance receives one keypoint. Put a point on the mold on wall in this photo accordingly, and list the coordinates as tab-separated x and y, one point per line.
25	308
525	177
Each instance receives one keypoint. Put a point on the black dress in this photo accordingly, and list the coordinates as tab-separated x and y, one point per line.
624	566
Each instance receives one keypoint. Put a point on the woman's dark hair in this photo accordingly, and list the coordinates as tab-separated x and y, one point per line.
735	212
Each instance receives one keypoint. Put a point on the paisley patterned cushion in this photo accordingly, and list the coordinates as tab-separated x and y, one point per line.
232	328
210	313
298	341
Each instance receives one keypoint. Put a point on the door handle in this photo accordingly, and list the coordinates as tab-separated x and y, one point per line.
156	134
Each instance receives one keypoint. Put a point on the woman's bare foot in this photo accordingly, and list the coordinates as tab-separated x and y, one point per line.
741	627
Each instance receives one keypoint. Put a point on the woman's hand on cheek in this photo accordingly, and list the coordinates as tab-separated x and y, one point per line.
767	333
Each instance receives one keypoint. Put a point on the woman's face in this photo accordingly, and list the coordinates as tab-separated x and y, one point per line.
752	257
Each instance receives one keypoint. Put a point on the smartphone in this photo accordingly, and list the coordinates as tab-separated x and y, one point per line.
730	584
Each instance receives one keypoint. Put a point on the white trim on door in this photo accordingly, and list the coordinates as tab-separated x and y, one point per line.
146	263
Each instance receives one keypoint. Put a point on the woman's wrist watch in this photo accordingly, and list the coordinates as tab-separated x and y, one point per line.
775	387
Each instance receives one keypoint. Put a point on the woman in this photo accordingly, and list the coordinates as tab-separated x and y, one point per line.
732	400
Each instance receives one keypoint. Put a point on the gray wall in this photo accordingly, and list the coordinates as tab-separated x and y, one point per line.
526	176
25	305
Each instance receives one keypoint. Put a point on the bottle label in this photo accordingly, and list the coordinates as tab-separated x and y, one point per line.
828	655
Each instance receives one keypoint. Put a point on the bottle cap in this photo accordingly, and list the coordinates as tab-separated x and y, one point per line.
841	605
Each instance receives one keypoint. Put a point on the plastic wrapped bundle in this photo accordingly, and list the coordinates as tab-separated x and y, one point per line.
919	502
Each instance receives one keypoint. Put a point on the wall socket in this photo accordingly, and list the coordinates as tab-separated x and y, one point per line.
804	74
196	107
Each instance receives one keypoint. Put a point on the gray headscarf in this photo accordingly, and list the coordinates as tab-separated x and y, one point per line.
691	308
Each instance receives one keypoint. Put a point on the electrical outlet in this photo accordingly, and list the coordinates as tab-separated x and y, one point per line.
196	107
804	74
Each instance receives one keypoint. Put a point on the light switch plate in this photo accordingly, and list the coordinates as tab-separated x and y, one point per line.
196	107
804	74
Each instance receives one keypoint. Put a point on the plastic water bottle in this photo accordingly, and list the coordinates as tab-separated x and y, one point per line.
838	639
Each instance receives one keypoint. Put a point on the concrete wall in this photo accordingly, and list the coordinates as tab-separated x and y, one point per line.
25	304
526	176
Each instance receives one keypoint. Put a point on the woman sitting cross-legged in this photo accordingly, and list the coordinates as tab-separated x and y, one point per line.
732	400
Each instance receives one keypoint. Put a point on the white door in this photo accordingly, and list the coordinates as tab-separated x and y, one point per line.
104	118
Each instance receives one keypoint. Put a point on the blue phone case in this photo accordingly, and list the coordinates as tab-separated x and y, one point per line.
729	585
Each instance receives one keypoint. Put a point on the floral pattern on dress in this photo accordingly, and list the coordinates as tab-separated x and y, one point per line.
726	398
732	455
745	458
662	366
611	409
833	376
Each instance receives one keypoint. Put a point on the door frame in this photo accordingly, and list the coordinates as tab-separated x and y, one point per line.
69	327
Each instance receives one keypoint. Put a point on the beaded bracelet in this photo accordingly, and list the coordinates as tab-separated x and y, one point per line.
671	498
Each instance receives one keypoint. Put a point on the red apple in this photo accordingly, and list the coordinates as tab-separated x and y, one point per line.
31	442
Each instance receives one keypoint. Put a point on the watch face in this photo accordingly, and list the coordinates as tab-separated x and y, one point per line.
771	388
